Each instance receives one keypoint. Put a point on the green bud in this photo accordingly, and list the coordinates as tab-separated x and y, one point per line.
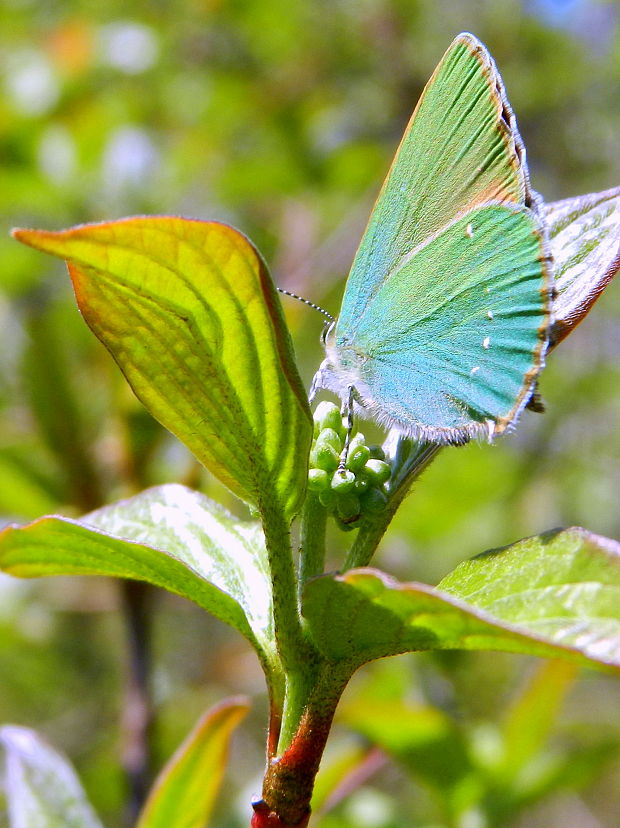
324	457
325	453
327	415
358	439
343	481
362	483
376	452
374	501
378	471
328	499
357	457
348	507
318	480
330	437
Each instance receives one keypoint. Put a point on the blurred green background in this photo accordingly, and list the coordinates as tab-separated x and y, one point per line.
280	117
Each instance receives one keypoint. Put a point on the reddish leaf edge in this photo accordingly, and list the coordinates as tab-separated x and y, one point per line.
236	707
553	650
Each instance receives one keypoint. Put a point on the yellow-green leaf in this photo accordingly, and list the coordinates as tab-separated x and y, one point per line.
556	595
191	315
186	791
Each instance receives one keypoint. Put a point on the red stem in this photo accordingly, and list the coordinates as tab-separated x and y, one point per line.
289	779
264	817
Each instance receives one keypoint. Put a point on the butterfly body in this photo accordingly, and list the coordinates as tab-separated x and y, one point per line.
446	313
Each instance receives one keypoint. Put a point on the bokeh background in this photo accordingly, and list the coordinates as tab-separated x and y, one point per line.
281	118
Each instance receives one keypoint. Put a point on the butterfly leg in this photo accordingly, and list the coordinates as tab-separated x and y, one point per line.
317	382
347	409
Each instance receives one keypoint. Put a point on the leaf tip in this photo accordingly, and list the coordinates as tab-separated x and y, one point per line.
22	234
39	239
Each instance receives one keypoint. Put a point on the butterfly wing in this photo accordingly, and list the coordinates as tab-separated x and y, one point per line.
461	148
454	360
584	235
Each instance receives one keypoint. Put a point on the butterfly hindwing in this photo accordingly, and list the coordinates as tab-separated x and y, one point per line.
449	360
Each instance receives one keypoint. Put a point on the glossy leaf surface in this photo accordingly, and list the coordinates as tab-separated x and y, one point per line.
186	791
168	536
555	595
190	313
42	789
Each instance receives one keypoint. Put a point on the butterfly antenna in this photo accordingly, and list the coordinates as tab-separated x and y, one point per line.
307	302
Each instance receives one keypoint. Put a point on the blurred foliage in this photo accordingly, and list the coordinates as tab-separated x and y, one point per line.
280	117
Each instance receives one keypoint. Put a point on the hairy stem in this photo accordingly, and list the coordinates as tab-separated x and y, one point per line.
373	528
297	655
312	548
289	780
288	632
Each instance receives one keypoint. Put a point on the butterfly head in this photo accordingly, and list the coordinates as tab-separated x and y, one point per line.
339	371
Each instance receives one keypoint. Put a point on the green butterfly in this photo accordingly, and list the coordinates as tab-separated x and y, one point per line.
447	310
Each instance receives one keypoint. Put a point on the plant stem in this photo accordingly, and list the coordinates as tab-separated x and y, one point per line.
293	646
298	687
138	709
289	779
373	528
312	548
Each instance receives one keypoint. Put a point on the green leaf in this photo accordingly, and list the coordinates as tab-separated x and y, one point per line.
533	715
42	789
169	536
27	487
190	313
556	595
186	790
423	739
563	585
342	775
585	244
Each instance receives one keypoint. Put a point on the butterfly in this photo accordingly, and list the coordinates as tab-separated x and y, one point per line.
446	314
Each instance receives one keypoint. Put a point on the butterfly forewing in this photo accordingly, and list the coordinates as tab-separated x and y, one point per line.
460	148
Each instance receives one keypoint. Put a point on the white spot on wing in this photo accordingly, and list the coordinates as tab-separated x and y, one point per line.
474	371
469	231
490	315
486	343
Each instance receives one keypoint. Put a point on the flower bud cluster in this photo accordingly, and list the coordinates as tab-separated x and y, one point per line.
357	490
